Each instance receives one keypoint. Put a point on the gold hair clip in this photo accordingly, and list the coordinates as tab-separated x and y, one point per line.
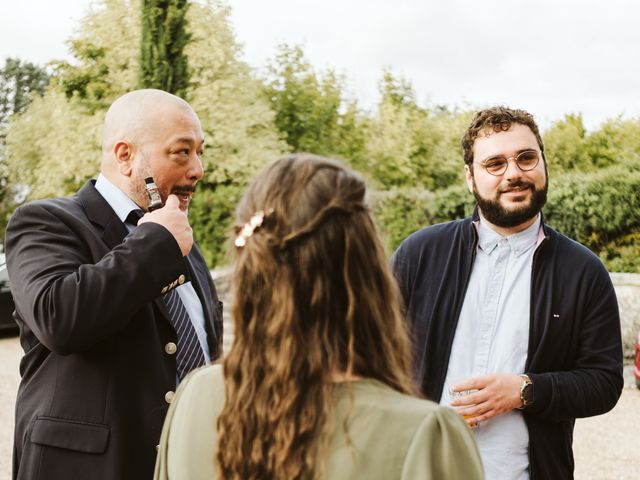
250	227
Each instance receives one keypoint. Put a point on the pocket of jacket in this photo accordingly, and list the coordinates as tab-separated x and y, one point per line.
71	435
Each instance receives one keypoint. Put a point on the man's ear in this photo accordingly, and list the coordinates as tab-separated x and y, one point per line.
469	177
123	153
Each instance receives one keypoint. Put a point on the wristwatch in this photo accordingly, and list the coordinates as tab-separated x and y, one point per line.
526	391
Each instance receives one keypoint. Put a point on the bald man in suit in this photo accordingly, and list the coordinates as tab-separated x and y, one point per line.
109	304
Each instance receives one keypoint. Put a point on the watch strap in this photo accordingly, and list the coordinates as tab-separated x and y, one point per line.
526	391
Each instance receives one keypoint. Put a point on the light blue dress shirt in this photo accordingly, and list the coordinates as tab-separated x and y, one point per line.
122	206
492	336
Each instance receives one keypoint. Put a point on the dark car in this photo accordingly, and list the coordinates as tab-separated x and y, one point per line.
7	324
636	372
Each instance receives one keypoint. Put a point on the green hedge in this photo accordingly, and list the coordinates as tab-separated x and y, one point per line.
596	208
602	211
400	212
599	209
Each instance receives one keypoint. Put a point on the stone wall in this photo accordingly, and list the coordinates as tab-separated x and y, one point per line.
627	287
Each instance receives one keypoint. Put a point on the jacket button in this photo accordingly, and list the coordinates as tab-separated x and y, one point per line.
181	279
168	397
171	348
157	448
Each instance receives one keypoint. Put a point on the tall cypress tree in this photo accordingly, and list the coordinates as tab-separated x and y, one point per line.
163	64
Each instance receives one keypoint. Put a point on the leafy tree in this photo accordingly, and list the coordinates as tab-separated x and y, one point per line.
20	83
238	123
399	212
409	145
398	91
311	110
106	55
54	147
393	157
615	141
410	152
565	145
569	146
163	64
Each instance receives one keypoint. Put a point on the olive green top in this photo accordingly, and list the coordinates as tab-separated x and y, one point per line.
394	436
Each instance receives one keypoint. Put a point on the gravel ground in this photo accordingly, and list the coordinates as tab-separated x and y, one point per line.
605	447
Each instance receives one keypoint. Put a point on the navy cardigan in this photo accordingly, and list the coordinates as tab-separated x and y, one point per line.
575	350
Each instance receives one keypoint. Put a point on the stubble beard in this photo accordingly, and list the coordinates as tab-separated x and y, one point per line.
139	193
141	197
498	215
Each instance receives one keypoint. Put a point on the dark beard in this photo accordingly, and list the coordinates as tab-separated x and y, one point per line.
499	216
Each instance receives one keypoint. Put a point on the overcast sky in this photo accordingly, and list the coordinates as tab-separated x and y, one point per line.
550	57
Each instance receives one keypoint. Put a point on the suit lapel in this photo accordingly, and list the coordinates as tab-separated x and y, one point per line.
100	213
113	232
111	228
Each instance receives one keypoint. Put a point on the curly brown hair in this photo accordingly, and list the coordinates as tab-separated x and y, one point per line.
497	119
313	296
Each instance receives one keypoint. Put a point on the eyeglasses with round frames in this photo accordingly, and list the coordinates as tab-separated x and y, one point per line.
525	161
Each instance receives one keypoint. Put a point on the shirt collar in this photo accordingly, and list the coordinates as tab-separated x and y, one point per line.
116	198
519	243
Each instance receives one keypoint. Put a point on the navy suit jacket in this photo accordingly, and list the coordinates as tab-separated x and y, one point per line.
93	326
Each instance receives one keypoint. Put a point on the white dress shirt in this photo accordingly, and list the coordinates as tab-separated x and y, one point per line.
492	336
122	206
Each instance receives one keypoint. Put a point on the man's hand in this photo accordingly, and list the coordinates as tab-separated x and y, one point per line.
175	220
496	394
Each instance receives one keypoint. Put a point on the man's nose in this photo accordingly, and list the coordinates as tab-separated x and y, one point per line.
512	169
196	169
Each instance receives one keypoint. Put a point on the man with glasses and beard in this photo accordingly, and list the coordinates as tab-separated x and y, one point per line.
514	325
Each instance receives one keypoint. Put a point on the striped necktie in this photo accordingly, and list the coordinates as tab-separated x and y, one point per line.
189	354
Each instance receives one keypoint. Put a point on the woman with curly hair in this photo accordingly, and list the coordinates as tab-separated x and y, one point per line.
317	383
